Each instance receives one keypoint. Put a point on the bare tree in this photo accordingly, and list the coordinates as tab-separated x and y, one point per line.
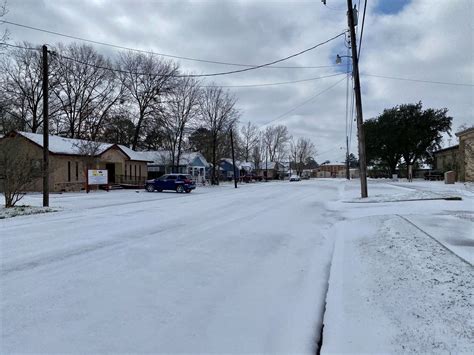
218	114
145	79
301	150
258	153
3	11
250	139
21	87
18	170
89	151
86	91
276	139
181	109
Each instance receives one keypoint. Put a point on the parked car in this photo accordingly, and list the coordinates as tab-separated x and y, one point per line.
295	178
434	175
176	182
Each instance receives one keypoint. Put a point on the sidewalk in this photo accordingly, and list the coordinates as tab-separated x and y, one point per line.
394	289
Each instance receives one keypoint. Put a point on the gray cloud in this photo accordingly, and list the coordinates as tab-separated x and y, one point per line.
430	40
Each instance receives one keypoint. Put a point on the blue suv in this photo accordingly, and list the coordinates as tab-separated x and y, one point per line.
176	182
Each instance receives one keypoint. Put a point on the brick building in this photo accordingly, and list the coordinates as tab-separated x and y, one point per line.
69	159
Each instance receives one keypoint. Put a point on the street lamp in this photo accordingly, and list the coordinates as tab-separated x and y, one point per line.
339	58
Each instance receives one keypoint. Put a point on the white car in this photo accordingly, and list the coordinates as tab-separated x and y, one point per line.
295	178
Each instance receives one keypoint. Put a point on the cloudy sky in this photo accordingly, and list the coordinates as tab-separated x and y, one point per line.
430	40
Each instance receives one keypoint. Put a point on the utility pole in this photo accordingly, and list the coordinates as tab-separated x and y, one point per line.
266	165
358	98
289	163
45	129
233	156
348	175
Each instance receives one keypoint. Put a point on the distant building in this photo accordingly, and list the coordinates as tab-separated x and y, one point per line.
192	163
227	169
446	159
331	170
271	170
466	154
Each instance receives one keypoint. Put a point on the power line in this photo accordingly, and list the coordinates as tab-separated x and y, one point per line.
20	47
212	74
362	28
352	113
265	64
251	85
303	103
274	84
156	53
418	80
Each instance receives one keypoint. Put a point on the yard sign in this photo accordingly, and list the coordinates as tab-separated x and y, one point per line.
97	177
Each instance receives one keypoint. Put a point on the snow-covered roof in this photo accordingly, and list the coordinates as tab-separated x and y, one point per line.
69	146
465	131
246	165
133	155
163	157
268	165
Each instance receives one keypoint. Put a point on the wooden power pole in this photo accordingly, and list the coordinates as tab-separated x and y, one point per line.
45	129
233	156
358	100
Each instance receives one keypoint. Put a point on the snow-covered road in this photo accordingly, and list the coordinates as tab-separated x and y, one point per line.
218	270
241	271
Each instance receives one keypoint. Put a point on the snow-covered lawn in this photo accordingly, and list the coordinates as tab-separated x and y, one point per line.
240	271
23	210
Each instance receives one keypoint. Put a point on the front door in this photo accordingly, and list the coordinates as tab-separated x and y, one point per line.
110	167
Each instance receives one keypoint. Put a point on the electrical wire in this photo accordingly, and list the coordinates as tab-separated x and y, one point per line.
273	84
303	103
20	47
418	80
209	74
361	29
255	85
156	53
352	111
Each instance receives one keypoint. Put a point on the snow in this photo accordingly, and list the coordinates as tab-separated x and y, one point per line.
61	145
22	210
401	278
241	270
163	157
69	146
167	272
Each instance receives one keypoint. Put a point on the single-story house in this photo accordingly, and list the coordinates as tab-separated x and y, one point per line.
193	163
271	170
226	171
69	160
245	167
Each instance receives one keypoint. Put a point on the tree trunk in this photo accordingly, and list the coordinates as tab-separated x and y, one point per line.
137	131
214	181
178	155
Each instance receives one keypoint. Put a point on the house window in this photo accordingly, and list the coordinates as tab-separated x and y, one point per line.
140	171
77	171
69	171
125	171
135	171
